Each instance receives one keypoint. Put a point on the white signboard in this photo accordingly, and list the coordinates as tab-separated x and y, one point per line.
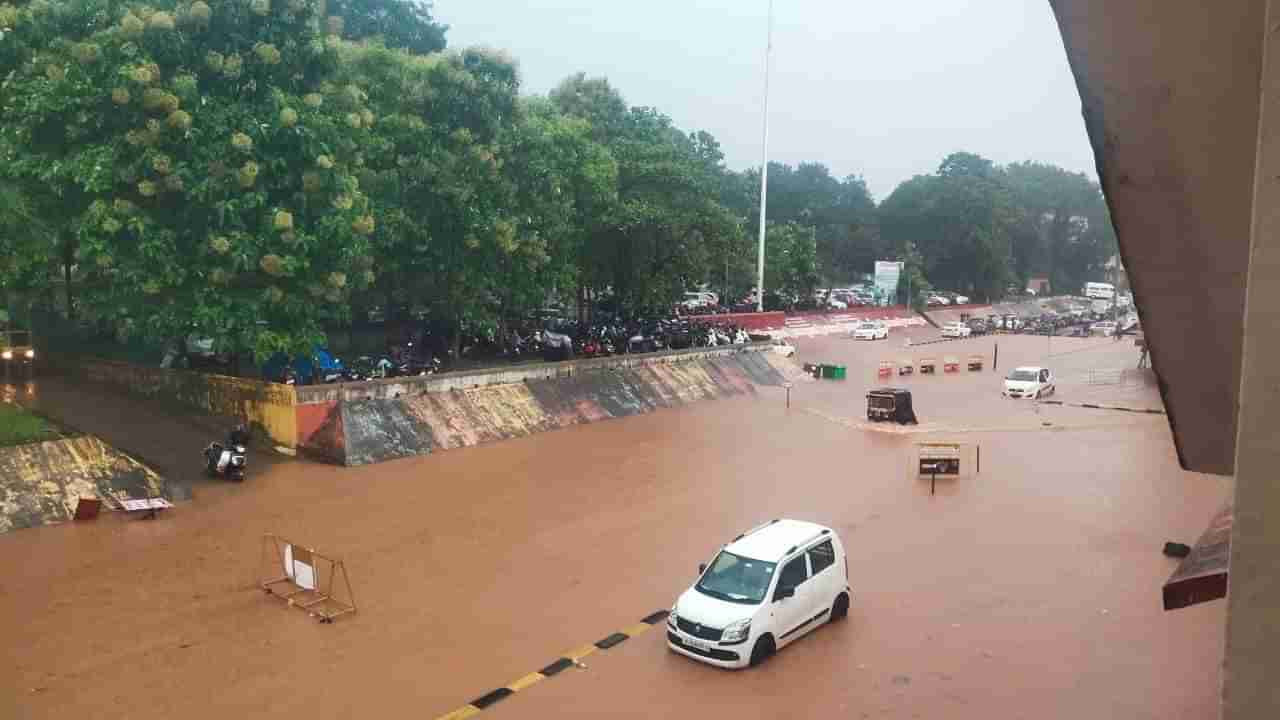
887	274
299	569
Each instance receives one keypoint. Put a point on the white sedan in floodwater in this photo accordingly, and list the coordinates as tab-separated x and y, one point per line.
1029	382
871	330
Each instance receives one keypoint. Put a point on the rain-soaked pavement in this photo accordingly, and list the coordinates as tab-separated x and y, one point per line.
1030	590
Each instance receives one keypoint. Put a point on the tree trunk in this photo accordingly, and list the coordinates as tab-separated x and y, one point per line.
66	277
457	335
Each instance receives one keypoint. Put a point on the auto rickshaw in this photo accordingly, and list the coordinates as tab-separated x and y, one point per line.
17	349
890	404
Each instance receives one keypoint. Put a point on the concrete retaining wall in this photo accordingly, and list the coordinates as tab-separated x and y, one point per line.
385	420
356	423
269	406
41	483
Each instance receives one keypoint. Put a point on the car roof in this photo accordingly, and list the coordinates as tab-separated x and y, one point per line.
1029	368
774	540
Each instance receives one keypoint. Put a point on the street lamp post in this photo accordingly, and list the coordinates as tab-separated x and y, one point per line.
764	166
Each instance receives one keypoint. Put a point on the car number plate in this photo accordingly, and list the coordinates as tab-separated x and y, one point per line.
699	644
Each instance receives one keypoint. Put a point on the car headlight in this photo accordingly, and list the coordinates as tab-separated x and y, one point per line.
31	354
736	632
8	355
671	616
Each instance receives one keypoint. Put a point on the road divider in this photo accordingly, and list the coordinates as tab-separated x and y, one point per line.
572	658
1095	406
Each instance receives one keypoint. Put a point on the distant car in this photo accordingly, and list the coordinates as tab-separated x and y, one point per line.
1029	382
936	300
783	348
837	304
979	326
1105	328
960	299
762	591
871	330
698	300
956	330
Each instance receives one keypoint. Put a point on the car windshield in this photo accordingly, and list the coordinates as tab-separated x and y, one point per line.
866	326
1022	375
736	579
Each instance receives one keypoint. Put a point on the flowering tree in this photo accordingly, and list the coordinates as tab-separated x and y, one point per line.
200	160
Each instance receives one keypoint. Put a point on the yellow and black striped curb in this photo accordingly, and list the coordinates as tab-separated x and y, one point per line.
564	662
1093	406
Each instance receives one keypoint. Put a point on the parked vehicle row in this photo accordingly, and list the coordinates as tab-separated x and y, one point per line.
946	298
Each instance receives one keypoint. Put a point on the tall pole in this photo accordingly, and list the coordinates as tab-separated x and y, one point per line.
764	166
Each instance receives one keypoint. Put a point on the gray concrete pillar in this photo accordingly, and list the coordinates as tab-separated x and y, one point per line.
1251	670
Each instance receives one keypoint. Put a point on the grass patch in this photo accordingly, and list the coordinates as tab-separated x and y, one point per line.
17	426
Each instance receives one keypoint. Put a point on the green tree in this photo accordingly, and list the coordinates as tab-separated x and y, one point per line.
791	261
560	180
668	228
913	287
197	157
433	166
841	212
961	220
405	24
1067	233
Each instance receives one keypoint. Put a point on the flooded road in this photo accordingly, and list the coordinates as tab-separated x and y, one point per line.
1030	590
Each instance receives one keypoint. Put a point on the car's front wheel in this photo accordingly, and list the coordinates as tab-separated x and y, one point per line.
764	648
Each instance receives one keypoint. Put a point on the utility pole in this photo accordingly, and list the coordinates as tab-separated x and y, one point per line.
764	166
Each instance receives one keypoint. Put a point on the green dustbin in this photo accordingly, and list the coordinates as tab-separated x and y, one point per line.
837	372
824	371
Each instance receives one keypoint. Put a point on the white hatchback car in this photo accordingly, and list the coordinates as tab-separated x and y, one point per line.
956	330
768	587
1029	382
871	330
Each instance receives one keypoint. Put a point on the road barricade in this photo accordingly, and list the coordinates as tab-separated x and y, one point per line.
885	369
950	364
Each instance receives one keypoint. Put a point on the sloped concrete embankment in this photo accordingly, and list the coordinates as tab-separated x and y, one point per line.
41	483
368	424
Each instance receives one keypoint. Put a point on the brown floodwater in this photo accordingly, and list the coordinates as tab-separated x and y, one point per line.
1029	590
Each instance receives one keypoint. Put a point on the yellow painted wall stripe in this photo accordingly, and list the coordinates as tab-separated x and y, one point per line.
461	713
581	652
532	678
637	629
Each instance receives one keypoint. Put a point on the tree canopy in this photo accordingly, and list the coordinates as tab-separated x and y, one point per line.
258	171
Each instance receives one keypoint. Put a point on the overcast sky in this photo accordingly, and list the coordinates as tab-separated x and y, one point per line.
880	89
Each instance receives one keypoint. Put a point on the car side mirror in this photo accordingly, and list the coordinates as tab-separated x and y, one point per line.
702	567
783	593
